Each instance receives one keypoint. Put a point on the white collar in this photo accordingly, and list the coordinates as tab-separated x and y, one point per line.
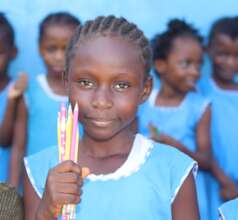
137	157
41	78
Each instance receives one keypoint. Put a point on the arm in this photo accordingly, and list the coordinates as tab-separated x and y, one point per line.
185	205
7	125
31	199
18	145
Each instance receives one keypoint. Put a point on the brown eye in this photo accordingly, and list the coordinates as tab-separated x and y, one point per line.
121	85
184	64
87	84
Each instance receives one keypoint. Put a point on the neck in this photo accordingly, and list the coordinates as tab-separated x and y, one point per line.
169	92
56	83
225	84
4	79
117	145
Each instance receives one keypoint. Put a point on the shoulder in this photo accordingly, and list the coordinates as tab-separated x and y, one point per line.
38	165
229	210
198	98
170	167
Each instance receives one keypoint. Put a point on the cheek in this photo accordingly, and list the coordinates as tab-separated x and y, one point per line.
127	105
3	62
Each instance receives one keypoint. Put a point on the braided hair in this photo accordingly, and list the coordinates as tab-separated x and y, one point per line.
112	26
227	26
59	18
162	43
6	31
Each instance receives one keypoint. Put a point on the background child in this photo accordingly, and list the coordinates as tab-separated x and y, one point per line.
221	88
107	74
10	93
45	92
181	115
229	210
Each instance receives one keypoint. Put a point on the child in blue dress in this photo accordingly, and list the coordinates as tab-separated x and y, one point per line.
181	115
229	210
220	87
132	178
45	92
10	95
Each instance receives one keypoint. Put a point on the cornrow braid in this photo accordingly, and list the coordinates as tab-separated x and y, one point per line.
112	26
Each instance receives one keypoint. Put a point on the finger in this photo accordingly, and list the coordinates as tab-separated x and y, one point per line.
64	198
69	188
68	178
67	166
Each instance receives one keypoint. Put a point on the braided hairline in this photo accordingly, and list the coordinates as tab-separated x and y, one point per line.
116	27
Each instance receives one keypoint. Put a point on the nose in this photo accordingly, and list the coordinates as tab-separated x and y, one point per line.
102	98
195	70
232	61
59	55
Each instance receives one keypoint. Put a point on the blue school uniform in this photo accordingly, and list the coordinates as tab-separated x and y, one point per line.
224	127
42	106
4	151
144	187
179	122
229	210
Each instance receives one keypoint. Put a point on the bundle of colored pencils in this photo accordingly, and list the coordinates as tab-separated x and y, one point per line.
68	140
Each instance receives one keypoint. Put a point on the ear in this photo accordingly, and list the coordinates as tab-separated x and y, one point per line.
160	66
14	52
148	85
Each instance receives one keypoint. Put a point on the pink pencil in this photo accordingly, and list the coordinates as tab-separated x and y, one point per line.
63	131
75	129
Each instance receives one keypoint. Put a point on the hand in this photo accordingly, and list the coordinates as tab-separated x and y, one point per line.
18	88
229	191
63	186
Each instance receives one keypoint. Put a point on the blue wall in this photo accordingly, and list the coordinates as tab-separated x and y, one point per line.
149	15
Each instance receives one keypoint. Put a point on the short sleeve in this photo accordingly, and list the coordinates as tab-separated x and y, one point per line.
180	167
229	210
38	165
200	105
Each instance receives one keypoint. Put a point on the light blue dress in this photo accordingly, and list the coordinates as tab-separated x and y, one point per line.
42	106
144	187
4	151
224	130
179	122
229	210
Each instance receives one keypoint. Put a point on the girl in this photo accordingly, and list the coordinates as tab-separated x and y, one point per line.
181	115
46	91
10	95
222	89
229	210
107	75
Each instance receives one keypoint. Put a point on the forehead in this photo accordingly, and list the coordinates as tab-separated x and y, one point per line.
186	45
108	52
226	42
55	31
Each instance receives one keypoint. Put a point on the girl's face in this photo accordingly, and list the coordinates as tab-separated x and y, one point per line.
181	69
106	79
53	46
7	53
224	55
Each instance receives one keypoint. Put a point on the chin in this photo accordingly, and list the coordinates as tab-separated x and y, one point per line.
101	135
